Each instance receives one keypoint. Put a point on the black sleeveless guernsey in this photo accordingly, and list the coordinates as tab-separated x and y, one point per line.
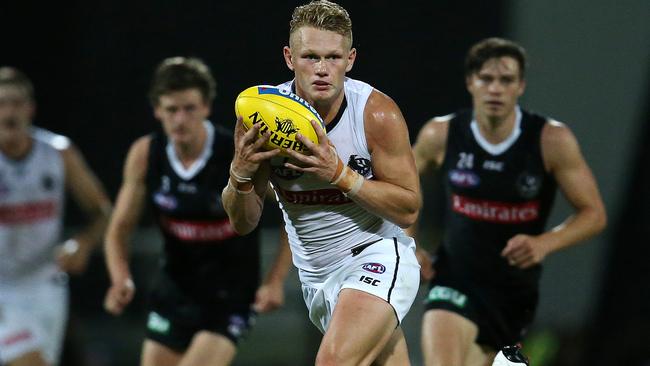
491	198
202	253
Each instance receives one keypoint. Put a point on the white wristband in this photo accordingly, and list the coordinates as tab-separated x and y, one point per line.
355	187
231	186
238	177
70	246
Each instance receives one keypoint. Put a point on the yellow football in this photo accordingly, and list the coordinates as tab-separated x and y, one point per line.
280	112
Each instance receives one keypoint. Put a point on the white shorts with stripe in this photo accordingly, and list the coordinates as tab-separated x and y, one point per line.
33	318
386	268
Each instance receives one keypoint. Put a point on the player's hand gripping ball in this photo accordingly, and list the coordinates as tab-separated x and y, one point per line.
282	113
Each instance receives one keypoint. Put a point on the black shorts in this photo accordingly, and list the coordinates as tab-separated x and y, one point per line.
175	316
502	314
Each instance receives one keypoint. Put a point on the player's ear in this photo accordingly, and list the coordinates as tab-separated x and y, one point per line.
287	57
351	57
522	87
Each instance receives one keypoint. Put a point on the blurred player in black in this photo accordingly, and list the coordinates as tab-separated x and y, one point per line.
501	166
204	295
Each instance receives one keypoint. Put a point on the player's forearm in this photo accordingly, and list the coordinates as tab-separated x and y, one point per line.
244	208
282	263
585	224
394	203
116	252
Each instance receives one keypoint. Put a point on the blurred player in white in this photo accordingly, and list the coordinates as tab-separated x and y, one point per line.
36	166
343	204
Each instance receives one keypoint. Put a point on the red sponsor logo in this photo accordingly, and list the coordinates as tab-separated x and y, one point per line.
15	338
27	213
494	211
217	230
316	197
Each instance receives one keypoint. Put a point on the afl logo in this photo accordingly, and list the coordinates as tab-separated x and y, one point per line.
165	201
374	268
285	173
464	178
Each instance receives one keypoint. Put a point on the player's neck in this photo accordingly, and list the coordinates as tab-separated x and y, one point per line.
330	108
190	151
496	129
17	149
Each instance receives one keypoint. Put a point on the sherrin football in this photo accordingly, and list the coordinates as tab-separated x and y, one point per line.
281	112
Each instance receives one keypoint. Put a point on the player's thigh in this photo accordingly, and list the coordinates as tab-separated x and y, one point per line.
447	337
209	349
361	325
395	352
156	354
32	358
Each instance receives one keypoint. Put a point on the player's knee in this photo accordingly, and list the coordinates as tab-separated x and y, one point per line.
336	356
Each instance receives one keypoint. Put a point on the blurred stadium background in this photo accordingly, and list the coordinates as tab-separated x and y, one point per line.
589	67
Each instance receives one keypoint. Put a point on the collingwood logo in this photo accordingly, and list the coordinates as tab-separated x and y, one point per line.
360	165
285	126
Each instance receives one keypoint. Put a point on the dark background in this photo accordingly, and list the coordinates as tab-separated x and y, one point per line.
91	63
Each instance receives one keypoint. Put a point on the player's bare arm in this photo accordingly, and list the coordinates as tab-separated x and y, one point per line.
562	157
394	193
243	197
128	208
270	295
90	196
428	151
431	143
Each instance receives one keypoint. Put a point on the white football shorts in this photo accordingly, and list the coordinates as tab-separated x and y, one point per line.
387	269
33	317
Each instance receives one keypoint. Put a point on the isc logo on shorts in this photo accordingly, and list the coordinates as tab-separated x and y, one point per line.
374	267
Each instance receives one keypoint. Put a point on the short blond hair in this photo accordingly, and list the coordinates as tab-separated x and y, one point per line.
322	14
13	77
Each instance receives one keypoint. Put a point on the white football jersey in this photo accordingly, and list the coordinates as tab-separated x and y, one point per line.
31	209
322	224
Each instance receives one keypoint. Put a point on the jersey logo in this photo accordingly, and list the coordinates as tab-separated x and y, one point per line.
237	326
463	178
189	188
285	173
157	323
495	211
47	182
528	185
360	165
166	202
447	294
370	280
27	212
377	268
314	197
198	231
496	166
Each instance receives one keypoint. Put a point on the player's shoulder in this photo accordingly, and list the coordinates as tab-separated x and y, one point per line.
556	133
436	129
51	139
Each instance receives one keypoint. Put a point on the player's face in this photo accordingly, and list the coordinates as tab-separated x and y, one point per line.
16	112
496	87
182	114
320	59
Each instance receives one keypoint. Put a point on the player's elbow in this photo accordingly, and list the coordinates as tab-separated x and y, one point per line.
409	216
599	219
243	228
